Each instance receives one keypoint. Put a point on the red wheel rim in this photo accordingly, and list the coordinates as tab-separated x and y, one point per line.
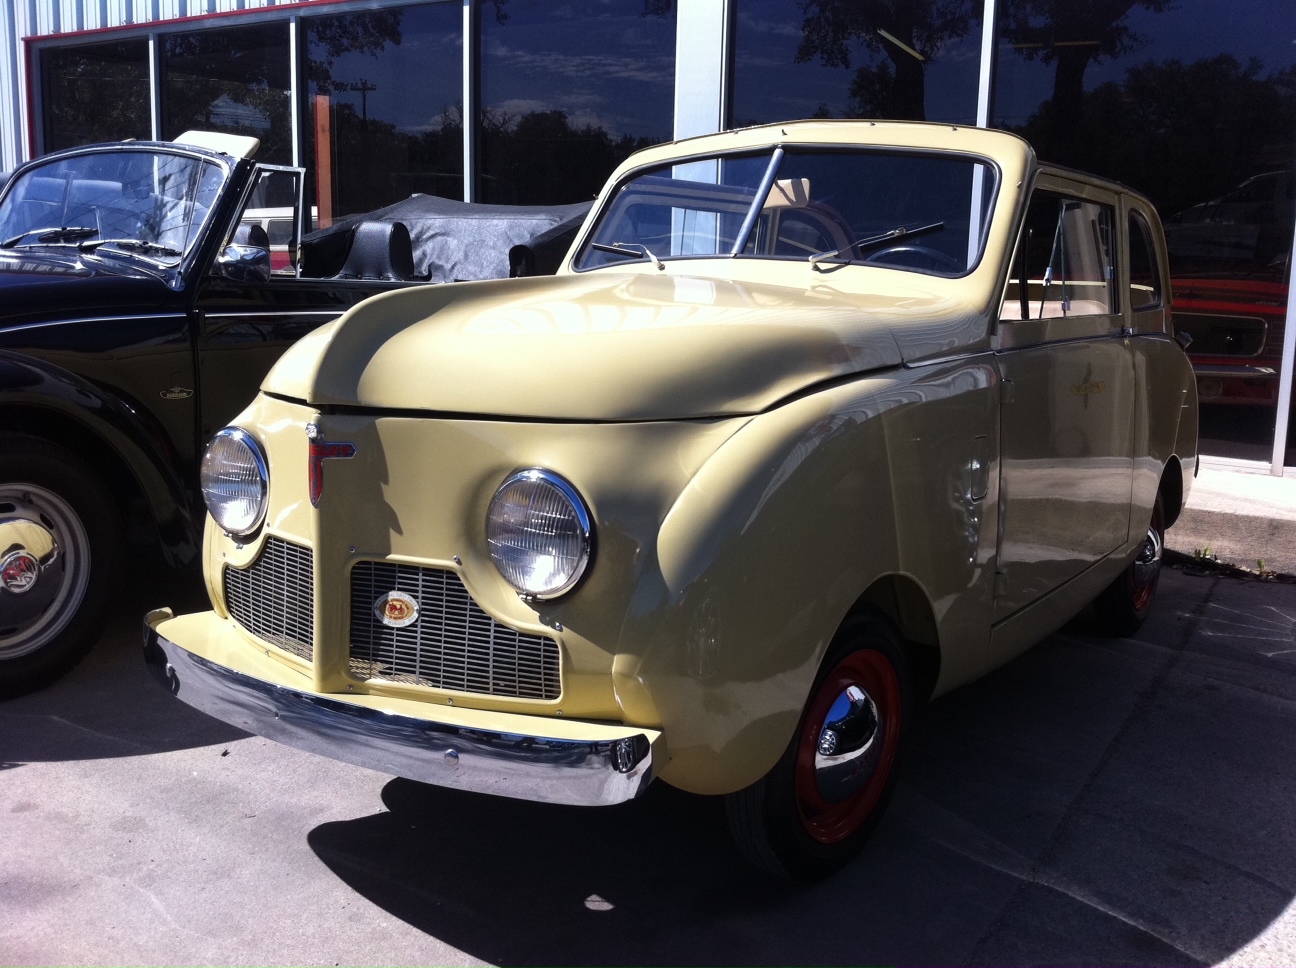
1141	591
830	822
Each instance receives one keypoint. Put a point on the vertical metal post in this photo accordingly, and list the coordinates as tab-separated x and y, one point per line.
985	83
295	92
1285	376
702	30
984	114
155	86
468	117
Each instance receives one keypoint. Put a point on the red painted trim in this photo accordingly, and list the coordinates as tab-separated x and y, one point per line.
219	15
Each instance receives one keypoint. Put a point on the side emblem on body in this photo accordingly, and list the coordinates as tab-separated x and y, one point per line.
320	451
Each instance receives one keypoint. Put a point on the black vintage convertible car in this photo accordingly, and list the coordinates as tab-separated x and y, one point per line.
141	303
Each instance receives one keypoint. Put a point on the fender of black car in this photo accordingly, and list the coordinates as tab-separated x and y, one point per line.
42	399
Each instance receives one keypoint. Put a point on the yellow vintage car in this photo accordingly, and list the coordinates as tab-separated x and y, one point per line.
818	420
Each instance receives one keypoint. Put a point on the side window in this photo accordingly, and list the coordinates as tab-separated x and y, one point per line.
1145	279
269	219
1065	263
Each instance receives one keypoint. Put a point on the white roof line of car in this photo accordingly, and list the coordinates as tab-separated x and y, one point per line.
234	145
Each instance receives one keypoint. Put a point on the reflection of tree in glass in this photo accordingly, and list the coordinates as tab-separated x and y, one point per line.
331	37
907	32
651	8
403	162
233	80
1071	35
1183	133
96	93
539	158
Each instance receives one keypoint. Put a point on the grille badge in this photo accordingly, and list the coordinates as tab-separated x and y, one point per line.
396	610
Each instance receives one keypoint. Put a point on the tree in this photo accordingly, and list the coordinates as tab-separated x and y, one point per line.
1071	35
1183	132
908	32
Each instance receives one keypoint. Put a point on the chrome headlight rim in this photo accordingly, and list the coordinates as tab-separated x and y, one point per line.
584	522
244	437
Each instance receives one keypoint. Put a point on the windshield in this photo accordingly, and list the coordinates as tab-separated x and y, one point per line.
918	211
142	202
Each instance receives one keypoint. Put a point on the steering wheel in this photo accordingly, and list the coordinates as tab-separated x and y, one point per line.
896	254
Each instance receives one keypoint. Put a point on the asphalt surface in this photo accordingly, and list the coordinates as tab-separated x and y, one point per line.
1119	802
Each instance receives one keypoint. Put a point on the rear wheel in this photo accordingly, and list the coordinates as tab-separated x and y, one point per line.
1125	603
60	540
816	808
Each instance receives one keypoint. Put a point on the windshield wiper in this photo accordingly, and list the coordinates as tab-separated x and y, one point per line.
54	234
629	250
139	245
873	240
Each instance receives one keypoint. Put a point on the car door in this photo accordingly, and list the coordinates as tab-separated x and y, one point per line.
245	324
1068	397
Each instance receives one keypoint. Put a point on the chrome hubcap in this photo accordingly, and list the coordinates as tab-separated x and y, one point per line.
44	567
850	744
1148	562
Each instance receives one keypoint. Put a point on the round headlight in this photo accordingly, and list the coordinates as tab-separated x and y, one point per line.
538	532
235	481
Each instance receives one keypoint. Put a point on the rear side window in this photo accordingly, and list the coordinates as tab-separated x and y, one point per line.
1145	279
1065	264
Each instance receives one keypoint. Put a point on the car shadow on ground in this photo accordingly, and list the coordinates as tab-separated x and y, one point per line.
1093	802
109	704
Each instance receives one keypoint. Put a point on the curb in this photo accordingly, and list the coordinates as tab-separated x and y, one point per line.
1201	566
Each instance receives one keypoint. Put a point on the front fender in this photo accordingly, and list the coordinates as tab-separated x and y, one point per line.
783	530
39	398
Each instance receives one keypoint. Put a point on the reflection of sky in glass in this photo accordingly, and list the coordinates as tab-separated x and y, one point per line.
413	83
1189	31
769	85
601	62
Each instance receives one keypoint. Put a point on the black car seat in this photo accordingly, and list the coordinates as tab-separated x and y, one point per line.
251	233
379	250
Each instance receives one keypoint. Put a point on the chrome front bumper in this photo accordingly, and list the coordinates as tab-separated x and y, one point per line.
529	767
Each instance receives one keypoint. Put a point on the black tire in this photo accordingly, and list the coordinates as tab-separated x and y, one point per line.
802	822
52	602
1123	605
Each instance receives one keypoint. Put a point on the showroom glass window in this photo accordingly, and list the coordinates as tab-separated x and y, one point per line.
233	79
913	60
568	91
383	113
96	92
1192	103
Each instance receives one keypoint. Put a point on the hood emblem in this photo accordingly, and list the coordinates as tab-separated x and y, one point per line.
320	451
396	610
19	571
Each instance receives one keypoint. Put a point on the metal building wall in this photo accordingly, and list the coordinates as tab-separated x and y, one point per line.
30	18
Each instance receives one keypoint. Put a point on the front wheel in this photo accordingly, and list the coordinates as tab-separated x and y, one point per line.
60	539
1125	603
816	808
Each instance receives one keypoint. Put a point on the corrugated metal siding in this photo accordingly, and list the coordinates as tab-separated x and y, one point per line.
20	19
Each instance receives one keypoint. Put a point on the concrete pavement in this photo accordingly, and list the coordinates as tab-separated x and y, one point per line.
1241	515
1096	801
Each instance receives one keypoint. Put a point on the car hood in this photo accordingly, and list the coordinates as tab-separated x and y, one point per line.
598	346
43	284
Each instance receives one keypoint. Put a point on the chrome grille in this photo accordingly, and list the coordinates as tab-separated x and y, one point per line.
274	597
452	645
